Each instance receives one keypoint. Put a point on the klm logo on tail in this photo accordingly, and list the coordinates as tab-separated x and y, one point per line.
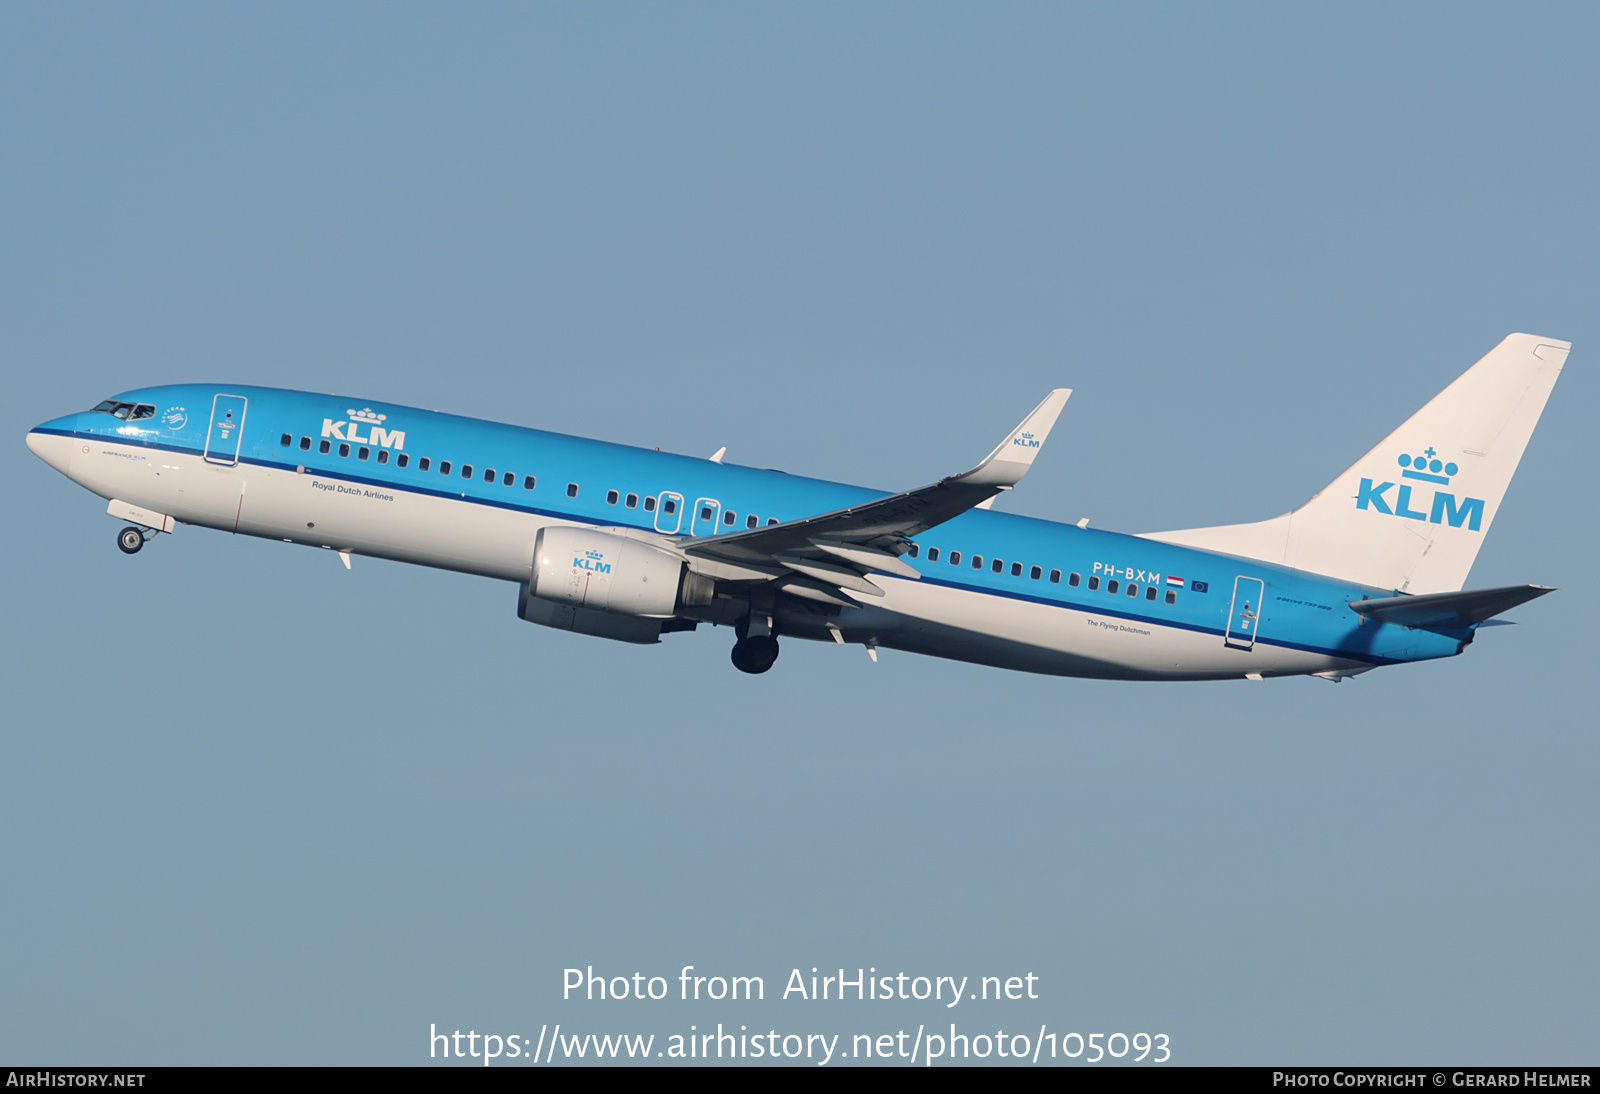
1444	508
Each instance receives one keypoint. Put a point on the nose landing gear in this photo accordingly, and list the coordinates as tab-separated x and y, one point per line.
130	539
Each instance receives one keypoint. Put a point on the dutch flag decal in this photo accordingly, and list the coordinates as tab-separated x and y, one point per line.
1175	582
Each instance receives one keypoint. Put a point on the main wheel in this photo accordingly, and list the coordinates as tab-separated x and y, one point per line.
130	540
755	655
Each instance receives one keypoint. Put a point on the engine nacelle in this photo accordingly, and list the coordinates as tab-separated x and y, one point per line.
583	568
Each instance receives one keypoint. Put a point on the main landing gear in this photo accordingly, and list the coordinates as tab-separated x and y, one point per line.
757	647
130	539
755	654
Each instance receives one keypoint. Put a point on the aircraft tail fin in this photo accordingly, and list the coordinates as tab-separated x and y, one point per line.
1411	514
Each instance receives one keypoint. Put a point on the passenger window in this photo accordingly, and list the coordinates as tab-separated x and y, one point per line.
1133	590
705	512
508	479
1172	597
1036	573
955	558
912	550
771	521
325	447
489	474
1016	569
404	459
751	521
466	471
444	467
649	504
1111	586
363	452
528	482
1072	579
933	554
572	489
998	566
1094	582
669	506
344	450
305	444
729	516
977	562
286	440
631	501
611	497
1150	592
383	455
424	463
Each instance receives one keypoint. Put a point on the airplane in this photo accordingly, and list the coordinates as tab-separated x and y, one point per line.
630	544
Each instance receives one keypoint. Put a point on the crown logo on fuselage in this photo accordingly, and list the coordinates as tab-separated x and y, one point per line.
366	416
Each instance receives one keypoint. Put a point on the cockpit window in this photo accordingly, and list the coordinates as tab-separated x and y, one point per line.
127	411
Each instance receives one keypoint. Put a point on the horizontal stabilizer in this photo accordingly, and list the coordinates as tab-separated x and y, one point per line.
1449	610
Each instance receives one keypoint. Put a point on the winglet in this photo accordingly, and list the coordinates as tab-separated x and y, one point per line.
1005	466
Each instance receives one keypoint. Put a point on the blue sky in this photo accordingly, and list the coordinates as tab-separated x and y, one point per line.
256	808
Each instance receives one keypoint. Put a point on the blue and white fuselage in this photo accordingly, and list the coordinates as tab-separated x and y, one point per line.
512	503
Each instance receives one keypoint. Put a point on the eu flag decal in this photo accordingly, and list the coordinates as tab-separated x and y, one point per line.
1199	586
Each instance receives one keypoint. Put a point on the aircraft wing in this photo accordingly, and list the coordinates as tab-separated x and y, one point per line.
817	557
1449	610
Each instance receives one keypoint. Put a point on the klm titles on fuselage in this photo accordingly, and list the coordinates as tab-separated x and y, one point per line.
1443	509
351	430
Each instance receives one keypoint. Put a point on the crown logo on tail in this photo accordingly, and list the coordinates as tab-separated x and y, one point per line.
1427	467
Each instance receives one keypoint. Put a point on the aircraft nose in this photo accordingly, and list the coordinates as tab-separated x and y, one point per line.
52	442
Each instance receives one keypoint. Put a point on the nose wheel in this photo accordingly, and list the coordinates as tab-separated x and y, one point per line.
130	539
755	654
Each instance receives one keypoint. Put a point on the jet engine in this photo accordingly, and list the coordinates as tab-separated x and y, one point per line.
600	571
